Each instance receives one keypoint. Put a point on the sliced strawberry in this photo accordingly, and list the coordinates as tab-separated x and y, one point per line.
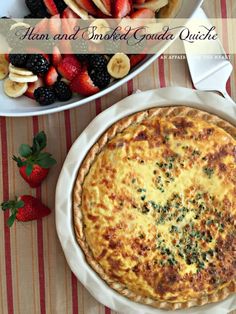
135	59
42	26
142	14
82	84
32	87
102	15
107	4
67	28
69	14
121	8
51	7
88	6
51	76
55	25
7	57
56	56
69	67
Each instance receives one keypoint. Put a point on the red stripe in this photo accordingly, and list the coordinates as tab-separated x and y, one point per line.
5	183
130	87
225	32
74	282
223	9
98	106
40	241
107	310
161	72
68	129
74	285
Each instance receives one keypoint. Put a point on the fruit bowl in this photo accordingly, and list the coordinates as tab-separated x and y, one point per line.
25	106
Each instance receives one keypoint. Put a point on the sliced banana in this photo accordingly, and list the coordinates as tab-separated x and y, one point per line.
101	7
22	79
14	89
98	27
78	10
19	24
154	5
20	71
119	65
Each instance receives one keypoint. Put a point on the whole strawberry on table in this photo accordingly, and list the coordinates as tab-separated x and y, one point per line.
49	78
33	163
25	208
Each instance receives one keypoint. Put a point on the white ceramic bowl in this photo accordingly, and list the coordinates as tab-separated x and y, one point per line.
64	221
27	107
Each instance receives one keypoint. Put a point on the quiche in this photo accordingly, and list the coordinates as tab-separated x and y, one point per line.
154	207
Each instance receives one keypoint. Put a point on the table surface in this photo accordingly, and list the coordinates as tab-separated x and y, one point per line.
35	277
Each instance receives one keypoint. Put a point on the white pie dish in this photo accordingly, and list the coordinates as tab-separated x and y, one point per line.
75	258
27	107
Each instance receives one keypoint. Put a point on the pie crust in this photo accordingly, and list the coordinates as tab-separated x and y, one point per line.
117	128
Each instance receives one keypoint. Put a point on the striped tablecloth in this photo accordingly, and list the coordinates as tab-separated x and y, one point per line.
34	275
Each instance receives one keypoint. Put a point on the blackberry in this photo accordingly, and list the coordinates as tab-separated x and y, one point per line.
100	78
80	48
37	64
45	96
18	60
112	46
60	4
30	16
82	57
98	62
37	8
62	91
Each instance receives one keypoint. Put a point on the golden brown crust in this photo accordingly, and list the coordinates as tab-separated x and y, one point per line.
171	9
119	127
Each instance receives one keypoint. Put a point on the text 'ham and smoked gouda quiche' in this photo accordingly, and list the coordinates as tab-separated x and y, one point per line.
155	207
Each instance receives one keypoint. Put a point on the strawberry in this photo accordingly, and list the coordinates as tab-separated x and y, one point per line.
51	76
51	7
42	26
69	14
135	59
121	8
55	25
87	5
32	87
142	14
25	208
67	27
34	165
6	55
56	56
83	84
69	67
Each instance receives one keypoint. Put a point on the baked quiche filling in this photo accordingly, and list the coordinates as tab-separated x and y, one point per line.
158	208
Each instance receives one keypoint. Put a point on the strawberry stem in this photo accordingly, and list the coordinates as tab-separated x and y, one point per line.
13	206
32	155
